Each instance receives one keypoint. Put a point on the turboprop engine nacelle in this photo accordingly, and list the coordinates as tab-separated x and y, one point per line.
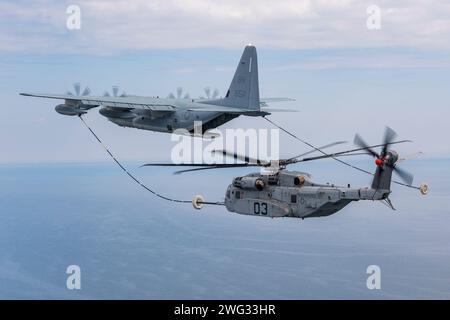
68	110
140	120
116	113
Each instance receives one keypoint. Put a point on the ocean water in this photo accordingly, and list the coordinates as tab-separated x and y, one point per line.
132	245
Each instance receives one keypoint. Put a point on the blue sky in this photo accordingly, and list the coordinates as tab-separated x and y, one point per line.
346	78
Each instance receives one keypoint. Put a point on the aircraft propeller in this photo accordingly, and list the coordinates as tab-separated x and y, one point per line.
209	95
77	89
179	94
115	93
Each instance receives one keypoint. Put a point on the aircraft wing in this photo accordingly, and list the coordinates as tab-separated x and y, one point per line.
128	102
152	104
225	109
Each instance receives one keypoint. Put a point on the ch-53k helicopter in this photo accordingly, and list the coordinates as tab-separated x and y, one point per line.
176	112
284	193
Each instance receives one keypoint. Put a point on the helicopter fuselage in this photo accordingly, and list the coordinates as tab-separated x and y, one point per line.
292	194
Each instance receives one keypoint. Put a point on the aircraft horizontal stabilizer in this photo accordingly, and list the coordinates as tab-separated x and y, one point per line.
279	110
269	100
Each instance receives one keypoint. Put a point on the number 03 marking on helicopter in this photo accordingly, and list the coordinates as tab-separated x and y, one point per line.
260	208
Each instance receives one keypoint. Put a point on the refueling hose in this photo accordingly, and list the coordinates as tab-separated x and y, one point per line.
136	179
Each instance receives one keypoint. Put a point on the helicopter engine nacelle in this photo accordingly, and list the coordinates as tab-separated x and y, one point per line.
249	183
69	110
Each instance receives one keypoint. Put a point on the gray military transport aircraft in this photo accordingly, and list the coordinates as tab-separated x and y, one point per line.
169	114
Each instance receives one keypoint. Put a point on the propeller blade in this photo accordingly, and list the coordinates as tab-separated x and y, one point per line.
215	93
86	91
115	90
404	175
389	136
106	94
361	143
208	92
179	92
77	88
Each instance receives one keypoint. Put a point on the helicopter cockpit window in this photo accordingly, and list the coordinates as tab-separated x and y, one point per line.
238	194
293	198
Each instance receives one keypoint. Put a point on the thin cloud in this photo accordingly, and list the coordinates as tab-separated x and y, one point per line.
111	26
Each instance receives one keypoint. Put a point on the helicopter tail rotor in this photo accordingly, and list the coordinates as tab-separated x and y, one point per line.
386	161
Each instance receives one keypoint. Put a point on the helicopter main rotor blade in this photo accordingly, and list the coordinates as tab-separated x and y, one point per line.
336	154
180	165
203	166
321	148
347	155
217	167
410	156
246	159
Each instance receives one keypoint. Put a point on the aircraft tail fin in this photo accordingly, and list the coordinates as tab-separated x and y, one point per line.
244	88
382	178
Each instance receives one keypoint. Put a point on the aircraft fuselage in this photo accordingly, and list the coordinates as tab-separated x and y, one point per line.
167	122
